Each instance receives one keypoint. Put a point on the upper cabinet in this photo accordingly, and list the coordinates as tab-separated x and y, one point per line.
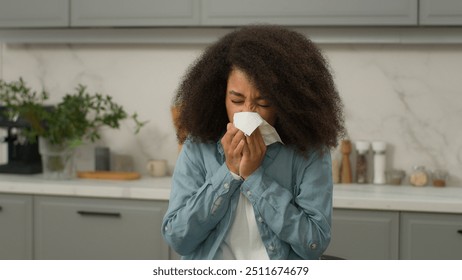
85	13
34	13
222	13
310	12
441	12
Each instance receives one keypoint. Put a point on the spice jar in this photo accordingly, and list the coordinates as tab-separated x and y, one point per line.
419	176
439	178
362	149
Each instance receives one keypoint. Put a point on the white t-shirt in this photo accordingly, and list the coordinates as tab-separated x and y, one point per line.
243	241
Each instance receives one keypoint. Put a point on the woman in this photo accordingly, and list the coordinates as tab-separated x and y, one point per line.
232	196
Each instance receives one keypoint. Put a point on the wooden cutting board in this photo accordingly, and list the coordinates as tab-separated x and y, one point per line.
108	175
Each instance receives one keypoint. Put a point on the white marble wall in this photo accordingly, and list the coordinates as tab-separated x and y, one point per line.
407	95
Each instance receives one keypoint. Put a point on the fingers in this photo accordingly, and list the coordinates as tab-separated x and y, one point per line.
253	154
256	143
233	143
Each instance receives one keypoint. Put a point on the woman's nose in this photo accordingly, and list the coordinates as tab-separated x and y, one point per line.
249	107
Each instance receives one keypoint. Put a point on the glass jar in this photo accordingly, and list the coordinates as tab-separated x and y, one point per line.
439	178
395	176
419	176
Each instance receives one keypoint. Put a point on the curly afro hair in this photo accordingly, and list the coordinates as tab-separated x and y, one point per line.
285	67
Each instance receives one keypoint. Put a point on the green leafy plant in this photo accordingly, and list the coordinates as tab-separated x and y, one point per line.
78	117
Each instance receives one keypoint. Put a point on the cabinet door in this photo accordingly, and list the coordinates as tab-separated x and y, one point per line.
441	12
310	12
78	228
431	236
364	235
134	12
15	227
34	13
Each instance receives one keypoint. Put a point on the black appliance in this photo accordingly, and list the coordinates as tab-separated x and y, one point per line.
23	156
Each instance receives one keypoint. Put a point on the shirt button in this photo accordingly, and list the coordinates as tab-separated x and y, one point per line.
313	246
249	193
260	219
226	186
271	248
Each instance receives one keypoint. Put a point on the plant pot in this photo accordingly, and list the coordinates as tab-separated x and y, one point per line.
57	160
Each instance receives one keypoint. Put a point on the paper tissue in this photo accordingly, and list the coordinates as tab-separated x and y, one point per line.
247	122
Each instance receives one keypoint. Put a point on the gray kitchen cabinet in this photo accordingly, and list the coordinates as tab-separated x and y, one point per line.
364	234
431	236
134	13
34	13
310	12
15	227
441	12
93	228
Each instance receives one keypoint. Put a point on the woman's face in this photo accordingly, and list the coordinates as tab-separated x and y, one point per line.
242	96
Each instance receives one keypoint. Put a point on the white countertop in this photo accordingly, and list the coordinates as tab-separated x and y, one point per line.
399	198
350	196
145	188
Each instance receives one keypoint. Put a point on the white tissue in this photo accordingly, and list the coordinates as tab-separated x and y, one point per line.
247	122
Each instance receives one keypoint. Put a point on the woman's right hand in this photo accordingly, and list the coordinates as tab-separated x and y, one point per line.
233	143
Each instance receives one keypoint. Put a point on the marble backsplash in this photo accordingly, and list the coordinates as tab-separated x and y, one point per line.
407	95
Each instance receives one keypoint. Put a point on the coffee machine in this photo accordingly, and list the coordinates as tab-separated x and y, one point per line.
23	155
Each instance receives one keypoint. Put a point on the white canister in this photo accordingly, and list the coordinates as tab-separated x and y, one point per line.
379	148
157	168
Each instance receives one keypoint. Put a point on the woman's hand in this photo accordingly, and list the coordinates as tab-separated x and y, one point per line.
243	154
253	154
233	143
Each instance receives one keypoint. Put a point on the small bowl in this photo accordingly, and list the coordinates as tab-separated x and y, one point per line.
395	176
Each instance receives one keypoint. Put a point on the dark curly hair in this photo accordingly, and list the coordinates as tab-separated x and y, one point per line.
287	69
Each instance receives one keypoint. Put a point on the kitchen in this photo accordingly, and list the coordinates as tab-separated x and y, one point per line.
398	82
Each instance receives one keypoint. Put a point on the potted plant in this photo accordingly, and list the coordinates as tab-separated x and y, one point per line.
64	126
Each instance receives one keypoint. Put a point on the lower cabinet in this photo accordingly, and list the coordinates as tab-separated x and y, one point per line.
15	227
90	228
431	236
56	227
364	235
369	235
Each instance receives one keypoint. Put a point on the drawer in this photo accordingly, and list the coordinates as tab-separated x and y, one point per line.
81	228
15	227
431	236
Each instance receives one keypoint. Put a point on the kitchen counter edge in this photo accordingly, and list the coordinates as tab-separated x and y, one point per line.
347	196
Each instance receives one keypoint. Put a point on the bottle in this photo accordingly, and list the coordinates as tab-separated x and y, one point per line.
362	149
379	148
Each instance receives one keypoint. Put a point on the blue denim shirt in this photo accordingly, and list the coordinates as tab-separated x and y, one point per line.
291	195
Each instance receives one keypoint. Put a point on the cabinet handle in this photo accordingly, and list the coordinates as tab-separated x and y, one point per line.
1	208
460	231
101	214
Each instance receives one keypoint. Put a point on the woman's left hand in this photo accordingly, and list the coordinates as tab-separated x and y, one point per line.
253	154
